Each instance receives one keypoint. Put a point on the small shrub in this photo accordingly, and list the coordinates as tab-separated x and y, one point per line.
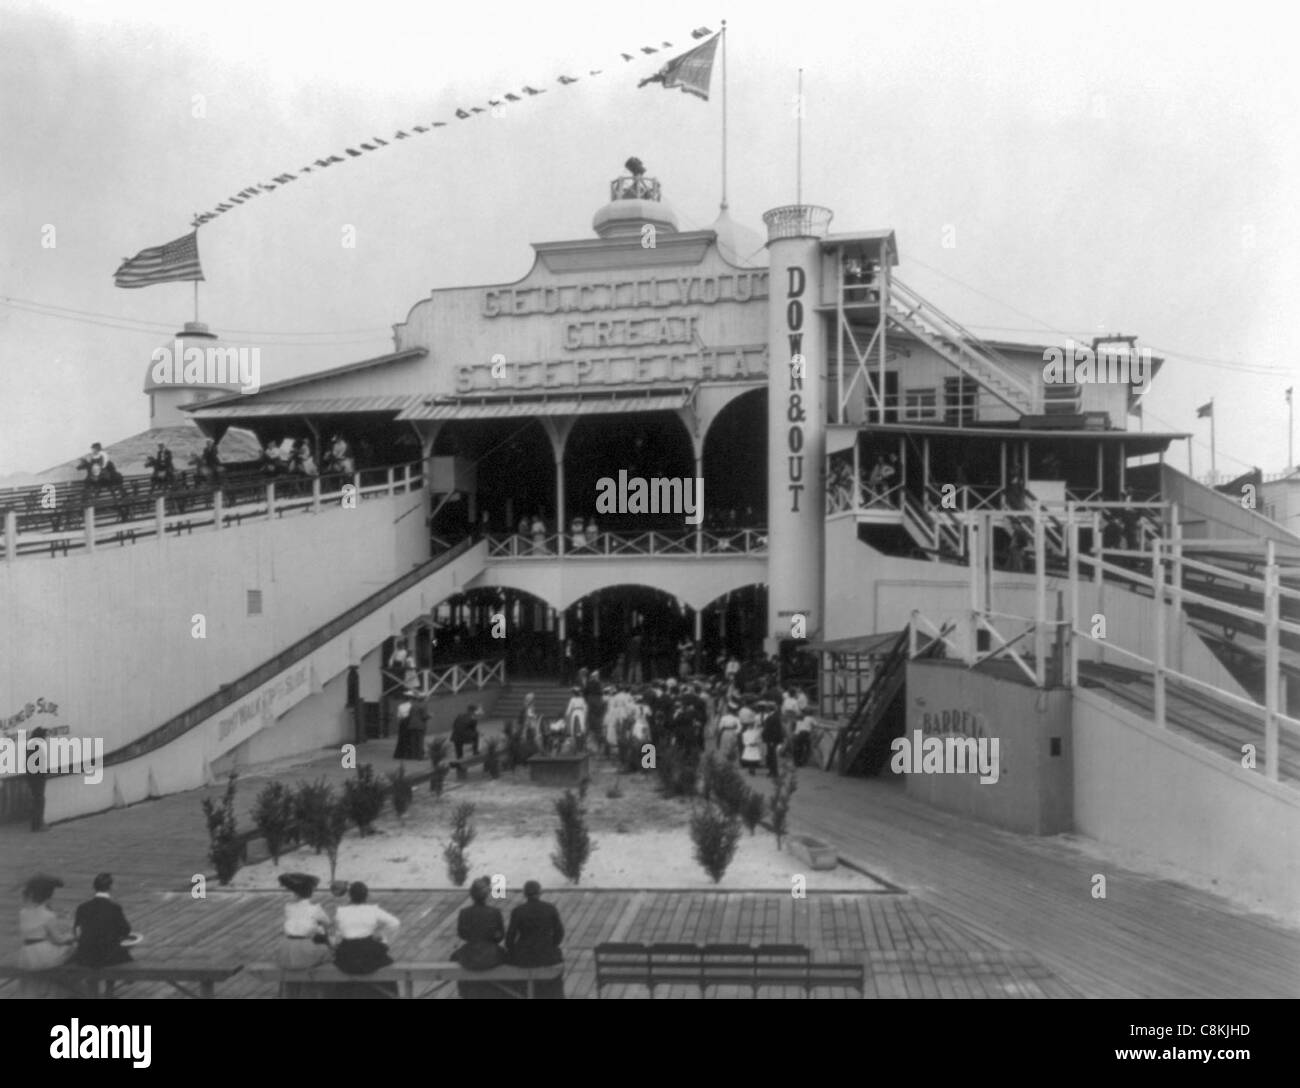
462	834
728	786
716	836
337	816
752	810
364	797
492	759
438	766
677	769
223	847
273	817
402	791
785	787
572	837
311	802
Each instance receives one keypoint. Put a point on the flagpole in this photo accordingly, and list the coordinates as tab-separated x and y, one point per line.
1214	472
1290	430
724	114
798	176
195	224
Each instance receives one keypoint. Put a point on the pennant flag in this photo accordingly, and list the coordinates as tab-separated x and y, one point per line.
692	71
1288	393
1205	410
178	260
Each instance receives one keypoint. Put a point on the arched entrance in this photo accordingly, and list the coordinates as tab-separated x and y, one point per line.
466	627
735	464
733	626
612	628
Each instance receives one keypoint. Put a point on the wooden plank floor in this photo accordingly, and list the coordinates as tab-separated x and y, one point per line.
986	913
935	961
1148	938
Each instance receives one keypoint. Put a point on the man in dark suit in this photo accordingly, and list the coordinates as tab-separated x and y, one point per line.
534	936
100	926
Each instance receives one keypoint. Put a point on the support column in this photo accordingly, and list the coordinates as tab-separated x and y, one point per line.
11	535
1040	596
796	420
1272	655
1158	584
88	525
160	518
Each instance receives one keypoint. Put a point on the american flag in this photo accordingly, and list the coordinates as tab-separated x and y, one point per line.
178	260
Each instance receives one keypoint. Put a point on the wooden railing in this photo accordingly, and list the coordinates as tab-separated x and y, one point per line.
29	530
450	679
696	542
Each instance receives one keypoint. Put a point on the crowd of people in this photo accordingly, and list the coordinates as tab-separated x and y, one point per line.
743	713
298	458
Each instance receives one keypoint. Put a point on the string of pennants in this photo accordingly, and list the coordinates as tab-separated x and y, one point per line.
375	143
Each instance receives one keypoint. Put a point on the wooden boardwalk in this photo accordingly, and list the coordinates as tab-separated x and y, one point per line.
910	949
981	912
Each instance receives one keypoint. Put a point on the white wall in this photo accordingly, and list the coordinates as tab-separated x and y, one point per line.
1168	799
108	636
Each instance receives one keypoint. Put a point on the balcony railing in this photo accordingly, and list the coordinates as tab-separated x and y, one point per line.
450	679
129	516
710	542
797	221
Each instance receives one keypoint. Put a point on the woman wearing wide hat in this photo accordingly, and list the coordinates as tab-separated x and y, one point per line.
304	939
482	927
46	943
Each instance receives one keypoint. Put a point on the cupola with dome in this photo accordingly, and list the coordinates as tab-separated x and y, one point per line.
167	396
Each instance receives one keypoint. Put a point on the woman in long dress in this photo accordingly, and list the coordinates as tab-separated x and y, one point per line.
46	941
482	927
304	939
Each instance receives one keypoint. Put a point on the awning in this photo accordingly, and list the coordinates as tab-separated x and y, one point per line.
522	407
862	644
248	407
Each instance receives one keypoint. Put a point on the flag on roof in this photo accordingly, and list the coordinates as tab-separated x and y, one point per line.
692	71
178	260
1204	410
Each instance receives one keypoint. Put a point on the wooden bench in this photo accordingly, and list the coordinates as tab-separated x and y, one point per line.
101	982
708	965
406	976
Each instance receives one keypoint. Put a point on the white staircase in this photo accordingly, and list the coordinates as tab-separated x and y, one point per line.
962	349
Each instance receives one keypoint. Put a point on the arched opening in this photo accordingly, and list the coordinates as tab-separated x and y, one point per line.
616	627
733	626
735	464
644	444
514	471
492	622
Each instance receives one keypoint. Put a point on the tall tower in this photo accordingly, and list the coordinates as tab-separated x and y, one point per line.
796	426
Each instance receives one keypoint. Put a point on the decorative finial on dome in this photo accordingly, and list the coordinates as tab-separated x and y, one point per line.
634	167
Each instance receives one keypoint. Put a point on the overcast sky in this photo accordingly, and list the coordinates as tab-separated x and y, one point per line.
1119	167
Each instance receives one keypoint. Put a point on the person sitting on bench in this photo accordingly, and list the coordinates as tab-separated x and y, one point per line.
534	936
100	926
464	730
304	938
45	944
482	928
363	932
